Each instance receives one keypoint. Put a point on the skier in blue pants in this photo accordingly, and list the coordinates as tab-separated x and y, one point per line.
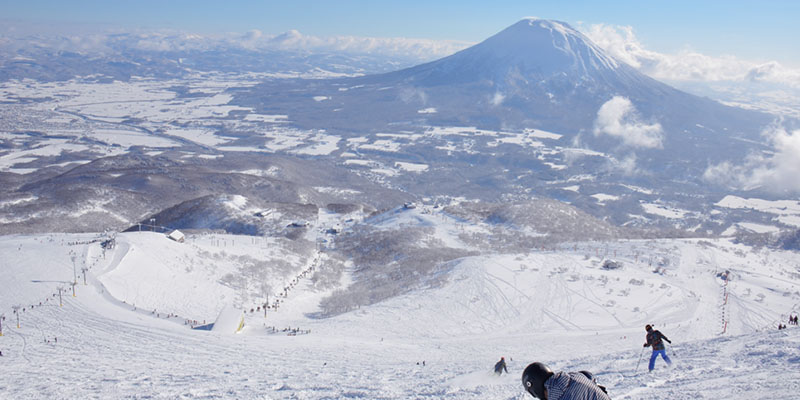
654	338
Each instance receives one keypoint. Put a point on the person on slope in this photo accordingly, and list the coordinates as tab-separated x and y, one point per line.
544	384
500	366
654	338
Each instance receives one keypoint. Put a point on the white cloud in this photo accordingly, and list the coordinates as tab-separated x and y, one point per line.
776	171
419	50
422	49
628	165
251	38
254	34
155	44
497	99
618	118
413	94
773	72
622	44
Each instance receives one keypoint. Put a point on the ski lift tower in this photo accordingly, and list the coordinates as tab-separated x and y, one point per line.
16	311
74	269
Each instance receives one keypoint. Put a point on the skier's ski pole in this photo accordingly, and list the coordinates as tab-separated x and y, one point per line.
640	360
672	349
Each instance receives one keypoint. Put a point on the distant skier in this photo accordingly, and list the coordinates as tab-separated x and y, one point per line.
544	384
500	366
654	338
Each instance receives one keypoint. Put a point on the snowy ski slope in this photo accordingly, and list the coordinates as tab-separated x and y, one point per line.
554	305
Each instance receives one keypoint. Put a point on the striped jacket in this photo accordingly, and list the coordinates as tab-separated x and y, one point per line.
573	386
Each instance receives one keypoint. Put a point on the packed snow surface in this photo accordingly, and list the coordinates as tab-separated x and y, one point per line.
718	302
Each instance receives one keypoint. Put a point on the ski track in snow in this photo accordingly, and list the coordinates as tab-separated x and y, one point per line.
552	306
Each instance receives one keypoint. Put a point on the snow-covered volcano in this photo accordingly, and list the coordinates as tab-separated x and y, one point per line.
532	50
535	74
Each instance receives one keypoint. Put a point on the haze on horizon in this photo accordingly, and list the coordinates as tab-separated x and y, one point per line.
760	32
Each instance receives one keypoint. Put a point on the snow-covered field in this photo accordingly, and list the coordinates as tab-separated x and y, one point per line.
554	305
112	118
786	211
65	124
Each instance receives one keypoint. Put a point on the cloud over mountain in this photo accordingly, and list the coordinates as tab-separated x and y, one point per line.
776	172
618	118
621	42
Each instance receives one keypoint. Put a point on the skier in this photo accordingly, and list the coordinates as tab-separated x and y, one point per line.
654	339
544	384
500	366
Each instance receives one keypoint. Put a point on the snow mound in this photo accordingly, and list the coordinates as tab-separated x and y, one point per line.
230	320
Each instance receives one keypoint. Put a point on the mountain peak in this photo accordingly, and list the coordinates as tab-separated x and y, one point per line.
530	50
536	22
550	46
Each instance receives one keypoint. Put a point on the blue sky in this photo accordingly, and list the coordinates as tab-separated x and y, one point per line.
756	30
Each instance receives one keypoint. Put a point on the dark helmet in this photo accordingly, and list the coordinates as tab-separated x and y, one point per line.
648	328
534	377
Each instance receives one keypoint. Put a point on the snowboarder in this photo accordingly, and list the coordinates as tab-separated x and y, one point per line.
544	384
654	338
500	366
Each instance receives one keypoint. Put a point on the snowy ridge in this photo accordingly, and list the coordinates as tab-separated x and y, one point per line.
557	305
